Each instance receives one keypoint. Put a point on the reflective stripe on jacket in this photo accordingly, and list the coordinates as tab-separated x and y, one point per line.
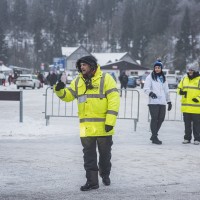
97	106
192	87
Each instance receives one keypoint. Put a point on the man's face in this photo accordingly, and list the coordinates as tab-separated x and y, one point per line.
85	68
190	72
157	69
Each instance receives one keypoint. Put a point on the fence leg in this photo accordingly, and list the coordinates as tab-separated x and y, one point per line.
47	120
21	107
135	124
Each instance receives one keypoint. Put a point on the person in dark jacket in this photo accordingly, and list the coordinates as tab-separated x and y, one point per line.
10	79
52	79
15	77
41	78
123	78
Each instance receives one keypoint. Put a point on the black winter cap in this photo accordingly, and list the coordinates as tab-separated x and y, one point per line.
90	60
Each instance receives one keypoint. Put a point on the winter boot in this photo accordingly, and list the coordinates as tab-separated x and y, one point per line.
106	180
88	187
92	181
186	142
196	142
155	140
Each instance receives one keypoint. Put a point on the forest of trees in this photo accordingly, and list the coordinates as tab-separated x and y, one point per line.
33	31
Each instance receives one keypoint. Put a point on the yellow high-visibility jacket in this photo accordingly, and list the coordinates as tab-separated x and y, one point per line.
97	106
192	87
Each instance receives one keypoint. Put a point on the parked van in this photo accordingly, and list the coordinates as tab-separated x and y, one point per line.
172	81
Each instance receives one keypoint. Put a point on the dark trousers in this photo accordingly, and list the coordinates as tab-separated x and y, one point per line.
90	155
157	113
192	124
123	85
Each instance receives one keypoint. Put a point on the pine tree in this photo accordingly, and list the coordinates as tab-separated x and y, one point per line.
73	22
3	47
127	27
4	15
160	16
183	46
142	28
19	15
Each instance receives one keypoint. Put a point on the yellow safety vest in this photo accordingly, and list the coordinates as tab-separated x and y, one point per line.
192	87
97	106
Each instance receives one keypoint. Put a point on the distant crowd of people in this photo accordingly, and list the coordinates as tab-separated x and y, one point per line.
51	79
11	78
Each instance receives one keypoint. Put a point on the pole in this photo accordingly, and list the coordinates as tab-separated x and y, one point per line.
21	107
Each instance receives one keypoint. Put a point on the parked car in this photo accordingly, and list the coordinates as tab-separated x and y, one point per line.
28	80
137	78
131	82
172	81
142	80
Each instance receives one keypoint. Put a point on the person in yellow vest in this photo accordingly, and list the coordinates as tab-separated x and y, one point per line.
98	104
189	88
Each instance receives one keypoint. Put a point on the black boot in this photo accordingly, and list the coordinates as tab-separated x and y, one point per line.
106	180
155	140
92	181
88	187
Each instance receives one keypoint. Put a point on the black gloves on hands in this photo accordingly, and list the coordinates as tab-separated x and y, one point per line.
169	106
183	93
60	86
152	95
108	128
195	100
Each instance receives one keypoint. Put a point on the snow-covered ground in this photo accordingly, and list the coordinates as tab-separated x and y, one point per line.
46	162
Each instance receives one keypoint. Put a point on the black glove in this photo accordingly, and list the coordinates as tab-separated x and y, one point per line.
108	128
181	92
60	86
152	95
195	100
169	106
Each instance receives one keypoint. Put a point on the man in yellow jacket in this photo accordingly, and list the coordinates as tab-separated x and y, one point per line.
98	104
189	88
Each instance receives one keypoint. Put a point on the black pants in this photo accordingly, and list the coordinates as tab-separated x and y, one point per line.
192	124
157	113
90	154
123	85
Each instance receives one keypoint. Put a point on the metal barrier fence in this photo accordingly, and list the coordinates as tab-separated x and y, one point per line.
175	113
129	106
14	96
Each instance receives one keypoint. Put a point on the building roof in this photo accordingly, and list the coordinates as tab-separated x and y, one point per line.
3	68
19	68
67	51
123	65
104	58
